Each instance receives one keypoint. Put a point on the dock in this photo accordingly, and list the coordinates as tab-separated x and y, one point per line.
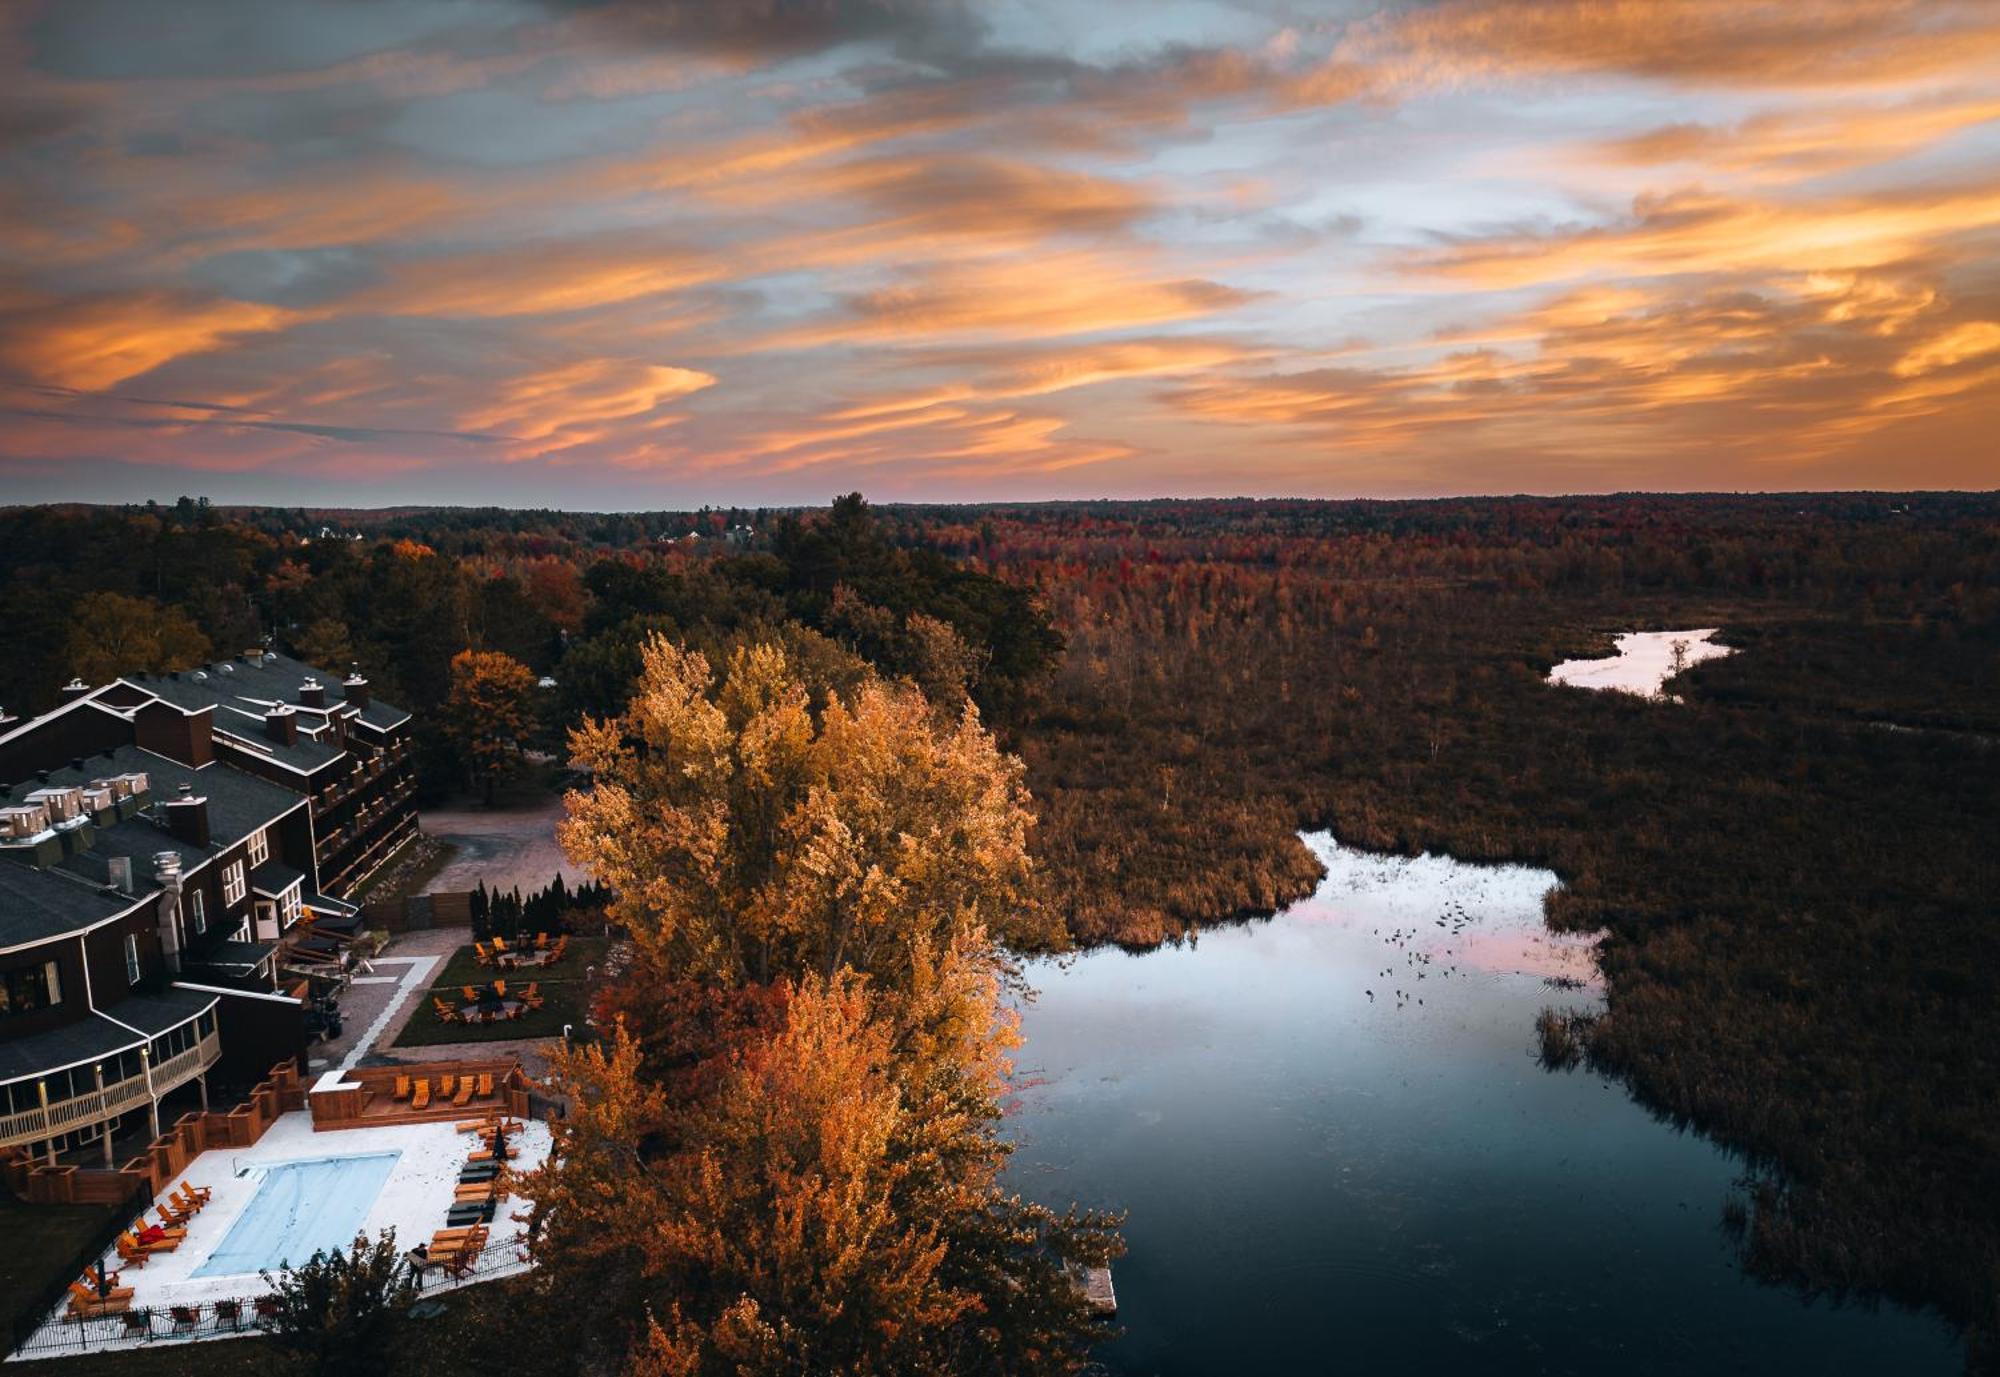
1097	1292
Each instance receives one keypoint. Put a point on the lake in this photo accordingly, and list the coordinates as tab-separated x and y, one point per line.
1331	1164
1643	661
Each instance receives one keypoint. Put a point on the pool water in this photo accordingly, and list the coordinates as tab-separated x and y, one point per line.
300	1209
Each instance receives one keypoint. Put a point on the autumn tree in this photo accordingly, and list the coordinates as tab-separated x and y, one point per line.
490	714
831	1205
112	634
748	838
812	877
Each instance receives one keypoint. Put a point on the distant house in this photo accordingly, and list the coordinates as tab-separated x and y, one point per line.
159	836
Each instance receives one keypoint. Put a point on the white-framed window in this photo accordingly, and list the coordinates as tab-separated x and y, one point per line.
290	905
260	846
197	910
131	958
233	887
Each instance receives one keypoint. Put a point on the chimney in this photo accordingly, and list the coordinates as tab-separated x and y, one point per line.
355	687
74	690
120	870
255	655
281	724
312	693
167	871
187	817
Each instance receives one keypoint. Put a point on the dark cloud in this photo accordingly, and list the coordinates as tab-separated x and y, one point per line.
777	27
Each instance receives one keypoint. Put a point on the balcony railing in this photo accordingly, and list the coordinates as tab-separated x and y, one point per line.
81	1111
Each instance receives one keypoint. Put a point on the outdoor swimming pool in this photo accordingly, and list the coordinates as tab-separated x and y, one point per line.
301	1208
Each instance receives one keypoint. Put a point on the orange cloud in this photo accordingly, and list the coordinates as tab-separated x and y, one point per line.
1797	43
582	403
1701	232
1034	297
536	279
97	342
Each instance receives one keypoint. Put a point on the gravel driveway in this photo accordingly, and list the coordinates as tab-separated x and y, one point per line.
505	848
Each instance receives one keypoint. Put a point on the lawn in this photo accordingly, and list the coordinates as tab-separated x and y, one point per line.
562	990
44	1244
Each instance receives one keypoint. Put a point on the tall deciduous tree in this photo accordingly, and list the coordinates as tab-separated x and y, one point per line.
748	838
491	713
810	879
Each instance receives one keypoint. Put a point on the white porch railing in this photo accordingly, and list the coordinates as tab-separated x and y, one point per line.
81	1111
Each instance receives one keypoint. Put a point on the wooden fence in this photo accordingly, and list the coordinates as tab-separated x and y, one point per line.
419	912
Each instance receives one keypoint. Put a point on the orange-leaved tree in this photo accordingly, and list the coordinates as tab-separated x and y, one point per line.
789	1161
490	713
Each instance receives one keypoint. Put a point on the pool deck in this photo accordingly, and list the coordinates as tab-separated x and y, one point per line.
413	1201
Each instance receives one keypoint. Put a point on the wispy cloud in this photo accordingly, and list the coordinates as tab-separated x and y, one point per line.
952	248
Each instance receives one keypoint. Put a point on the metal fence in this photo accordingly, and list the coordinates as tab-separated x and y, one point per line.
229	1318
29	1313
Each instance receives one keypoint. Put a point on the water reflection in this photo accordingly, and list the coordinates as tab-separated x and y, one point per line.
1338	1153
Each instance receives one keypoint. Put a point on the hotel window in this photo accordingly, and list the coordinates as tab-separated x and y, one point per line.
260	846
290	904
233	887
29	989
197	910
131	959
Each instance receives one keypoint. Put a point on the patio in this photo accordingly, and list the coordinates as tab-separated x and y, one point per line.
415	1198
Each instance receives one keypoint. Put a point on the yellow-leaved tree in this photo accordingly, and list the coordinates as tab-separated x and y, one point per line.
747	838
785	1158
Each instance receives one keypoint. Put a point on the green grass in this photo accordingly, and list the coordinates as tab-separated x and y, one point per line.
43	1243
562	990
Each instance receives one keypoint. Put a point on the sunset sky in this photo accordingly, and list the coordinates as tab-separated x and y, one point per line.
620	255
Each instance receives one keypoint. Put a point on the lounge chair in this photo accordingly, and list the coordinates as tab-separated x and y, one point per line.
163	1242
96	1280
129	1251
171	1215
185	1316
464	1095
229	1312
85	1303
468	993
403	1082
500	988
541	941
201	1194
138	1324
475	1125
481	954
485	1084
423	1095
500	947
172	1224
446	1014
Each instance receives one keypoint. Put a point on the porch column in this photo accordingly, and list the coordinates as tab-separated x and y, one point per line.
42	1094
98	1071
201	1082
152	1096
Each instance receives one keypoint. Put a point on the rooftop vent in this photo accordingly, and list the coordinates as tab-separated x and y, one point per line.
21	821
74	690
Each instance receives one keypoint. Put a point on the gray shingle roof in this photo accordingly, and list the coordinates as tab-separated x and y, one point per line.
241	684
36	905
153	1014
89	1039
